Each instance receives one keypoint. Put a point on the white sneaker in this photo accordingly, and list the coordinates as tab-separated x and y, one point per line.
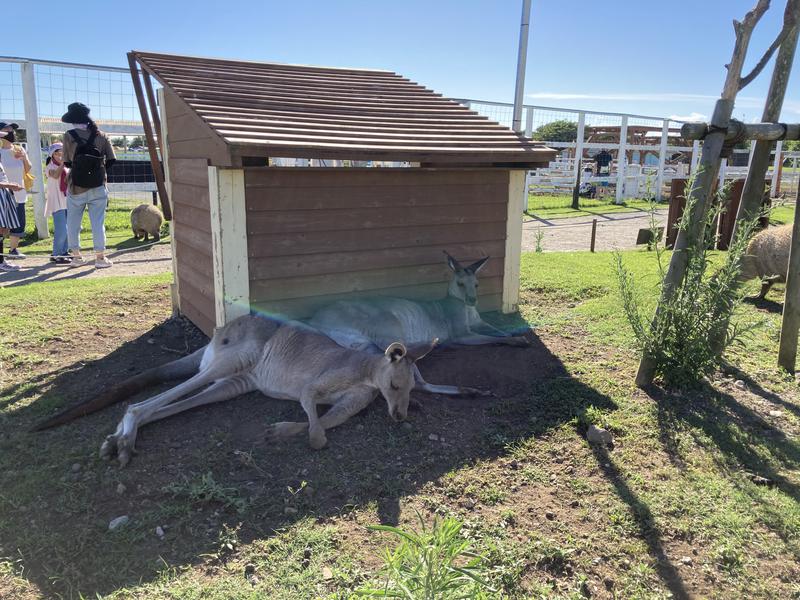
77	261
102	263
8	267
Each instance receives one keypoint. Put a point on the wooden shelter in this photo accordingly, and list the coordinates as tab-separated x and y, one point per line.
287	240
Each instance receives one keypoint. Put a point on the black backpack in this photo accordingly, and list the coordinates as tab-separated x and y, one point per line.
88	163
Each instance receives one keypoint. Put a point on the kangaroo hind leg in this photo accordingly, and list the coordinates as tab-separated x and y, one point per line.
446	390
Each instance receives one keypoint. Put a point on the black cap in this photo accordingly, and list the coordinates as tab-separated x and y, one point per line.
12	125
77	112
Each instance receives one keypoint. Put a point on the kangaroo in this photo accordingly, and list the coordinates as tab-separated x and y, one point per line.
374	322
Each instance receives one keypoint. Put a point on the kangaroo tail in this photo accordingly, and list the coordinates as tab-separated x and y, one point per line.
178	369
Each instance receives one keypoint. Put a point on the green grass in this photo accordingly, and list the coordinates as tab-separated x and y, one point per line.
118	229
560	207
552	516
781	215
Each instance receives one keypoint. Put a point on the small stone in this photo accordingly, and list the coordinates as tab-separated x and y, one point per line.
118	522
686	560
360	427
327	574
249	569
609	583
160	532
290	510
773	413
598	435
76	467
739	384
575	504
121	489
433	437
550	515
407	426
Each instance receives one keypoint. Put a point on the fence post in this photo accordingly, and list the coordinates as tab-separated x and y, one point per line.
695	156
529	122
34	146
662	159
621	159
776	170
579	145
594	235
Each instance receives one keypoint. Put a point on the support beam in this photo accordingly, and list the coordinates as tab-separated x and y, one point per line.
174	287
229	244
790	323
529	122
662	159
513	251
776	170
522	57
34	147
695	156
579	145
737	130
622	160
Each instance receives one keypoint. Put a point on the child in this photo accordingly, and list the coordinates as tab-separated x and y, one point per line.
8	211
16	163
56	203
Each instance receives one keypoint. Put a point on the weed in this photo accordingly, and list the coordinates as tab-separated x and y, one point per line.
206	490
437	563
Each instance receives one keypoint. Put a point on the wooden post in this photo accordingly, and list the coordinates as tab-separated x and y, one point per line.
776	170
594	235
699	198
578	160
753	192
513	250
790	323
34	147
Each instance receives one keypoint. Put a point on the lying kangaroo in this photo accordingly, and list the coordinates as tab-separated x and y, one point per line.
373	322
286	361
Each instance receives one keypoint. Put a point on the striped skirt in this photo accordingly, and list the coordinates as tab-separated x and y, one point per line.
8	210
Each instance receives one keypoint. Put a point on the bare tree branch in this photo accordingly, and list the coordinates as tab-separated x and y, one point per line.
789	23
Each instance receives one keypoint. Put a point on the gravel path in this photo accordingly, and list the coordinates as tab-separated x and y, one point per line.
616	230
149	260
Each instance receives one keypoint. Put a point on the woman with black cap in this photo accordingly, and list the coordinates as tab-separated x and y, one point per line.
88	153
8	210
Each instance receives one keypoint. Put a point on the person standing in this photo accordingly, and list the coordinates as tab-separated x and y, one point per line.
56	202
8	210
16	164
88	154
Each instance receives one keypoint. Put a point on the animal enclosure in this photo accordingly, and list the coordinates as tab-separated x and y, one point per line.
249	235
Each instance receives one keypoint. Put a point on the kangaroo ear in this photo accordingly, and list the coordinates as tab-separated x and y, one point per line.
477	265
396	351
419	351
452	262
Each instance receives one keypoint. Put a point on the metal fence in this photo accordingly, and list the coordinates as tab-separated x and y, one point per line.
643	153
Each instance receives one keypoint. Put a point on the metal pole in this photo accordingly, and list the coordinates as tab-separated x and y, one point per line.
579	145
34	146
594	235
521	60
621	160
662	159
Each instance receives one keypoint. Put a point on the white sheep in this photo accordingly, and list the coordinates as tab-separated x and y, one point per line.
768	257
146	219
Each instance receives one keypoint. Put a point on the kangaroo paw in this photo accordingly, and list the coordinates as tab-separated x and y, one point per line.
284	430
125	449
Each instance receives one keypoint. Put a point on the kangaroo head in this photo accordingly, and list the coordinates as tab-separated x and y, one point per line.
464	282
395	376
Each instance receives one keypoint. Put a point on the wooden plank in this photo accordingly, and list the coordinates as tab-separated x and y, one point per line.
312	242
303	308
291	177
344	262
195	239
194	218
198	317
361	281
191	195
369	218
187	171
411	197
517	196
199	261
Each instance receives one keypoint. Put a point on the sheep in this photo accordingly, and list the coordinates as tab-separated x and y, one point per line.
767	257
146	219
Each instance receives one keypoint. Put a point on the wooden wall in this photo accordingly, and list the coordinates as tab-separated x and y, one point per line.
191	225
317	235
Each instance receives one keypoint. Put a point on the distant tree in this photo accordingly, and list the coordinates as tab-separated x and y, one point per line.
791	145
118	141
557	131
137	141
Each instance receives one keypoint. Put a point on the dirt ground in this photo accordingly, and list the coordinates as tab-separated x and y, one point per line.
149	260
613	231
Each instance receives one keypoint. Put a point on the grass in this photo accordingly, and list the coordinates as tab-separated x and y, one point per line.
675	507
118	229
560	207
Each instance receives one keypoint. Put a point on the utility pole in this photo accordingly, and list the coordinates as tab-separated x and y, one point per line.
521	62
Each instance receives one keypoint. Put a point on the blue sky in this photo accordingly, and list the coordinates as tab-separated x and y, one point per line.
649	57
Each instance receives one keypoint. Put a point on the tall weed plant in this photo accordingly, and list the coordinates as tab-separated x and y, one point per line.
693	328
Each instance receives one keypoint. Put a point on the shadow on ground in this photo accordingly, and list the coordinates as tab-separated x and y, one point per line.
58	497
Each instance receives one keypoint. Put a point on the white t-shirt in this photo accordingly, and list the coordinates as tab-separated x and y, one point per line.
15	170
55	199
